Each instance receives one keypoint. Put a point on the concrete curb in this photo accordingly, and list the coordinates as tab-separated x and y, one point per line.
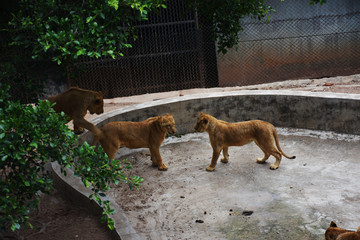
74	189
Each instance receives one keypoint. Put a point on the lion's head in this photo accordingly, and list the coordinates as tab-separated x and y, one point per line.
97	104
333	232
167	123
202	122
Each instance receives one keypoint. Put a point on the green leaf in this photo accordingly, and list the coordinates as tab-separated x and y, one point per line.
86	183
3	159
30	225
88	19
81	52
110	224
34	145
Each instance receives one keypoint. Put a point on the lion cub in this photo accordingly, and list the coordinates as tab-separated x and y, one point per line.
223	135
336	233
149	133
75	102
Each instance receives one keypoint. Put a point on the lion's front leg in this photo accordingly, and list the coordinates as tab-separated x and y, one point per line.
215	156
225	159
77	129
156	159
80	124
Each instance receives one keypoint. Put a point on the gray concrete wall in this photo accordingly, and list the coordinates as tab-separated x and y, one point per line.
317	111
300	41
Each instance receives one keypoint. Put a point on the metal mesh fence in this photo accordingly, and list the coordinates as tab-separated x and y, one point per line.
172	53
293	48
168	55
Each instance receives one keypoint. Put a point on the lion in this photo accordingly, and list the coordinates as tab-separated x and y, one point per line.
149	133
75	102
222	135
335	233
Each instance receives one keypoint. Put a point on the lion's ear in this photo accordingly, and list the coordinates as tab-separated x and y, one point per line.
333	224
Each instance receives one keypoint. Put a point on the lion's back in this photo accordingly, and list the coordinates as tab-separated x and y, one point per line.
74	101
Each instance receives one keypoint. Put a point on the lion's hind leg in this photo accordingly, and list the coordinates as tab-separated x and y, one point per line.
225	159
267	146
266	153
277	162
263	160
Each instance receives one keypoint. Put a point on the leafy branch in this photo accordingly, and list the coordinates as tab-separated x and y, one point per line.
30	137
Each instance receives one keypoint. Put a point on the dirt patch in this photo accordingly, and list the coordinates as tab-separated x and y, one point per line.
59	218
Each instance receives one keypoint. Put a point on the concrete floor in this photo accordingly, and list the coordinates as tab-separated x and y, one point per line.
296	201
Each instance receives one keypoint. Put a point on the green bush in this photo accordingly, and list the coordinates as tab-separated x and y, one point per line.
31	136
66	30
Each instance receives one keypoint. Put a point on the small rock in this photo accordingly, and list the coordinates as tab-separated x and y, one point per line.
247	213
199	221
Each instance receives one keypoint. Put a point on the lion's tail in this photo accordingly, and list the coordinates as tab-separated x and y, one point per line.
278	145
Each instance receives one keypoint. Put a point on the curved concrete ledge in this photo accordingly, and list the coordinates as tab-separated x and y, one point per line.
317	111
73	188
336	112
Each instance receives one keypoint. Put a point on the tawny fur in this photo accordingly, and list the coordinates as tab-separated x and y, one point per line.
75	102
149	133
335	233
222	135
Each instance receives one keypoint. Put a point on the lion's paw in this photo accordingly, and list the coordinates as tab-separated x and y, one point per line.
210	169
224	160
79	131
163	168
273	167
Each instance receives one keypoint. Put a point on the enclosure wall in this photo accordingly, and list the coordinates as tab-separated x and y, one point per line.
299	41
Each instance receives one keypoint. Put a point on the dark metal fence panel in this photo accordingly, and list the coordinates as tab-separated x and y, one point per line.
300	41
168	55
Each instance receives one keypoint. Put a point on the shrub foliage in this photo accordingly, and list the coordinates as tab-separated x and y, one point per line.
30	137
